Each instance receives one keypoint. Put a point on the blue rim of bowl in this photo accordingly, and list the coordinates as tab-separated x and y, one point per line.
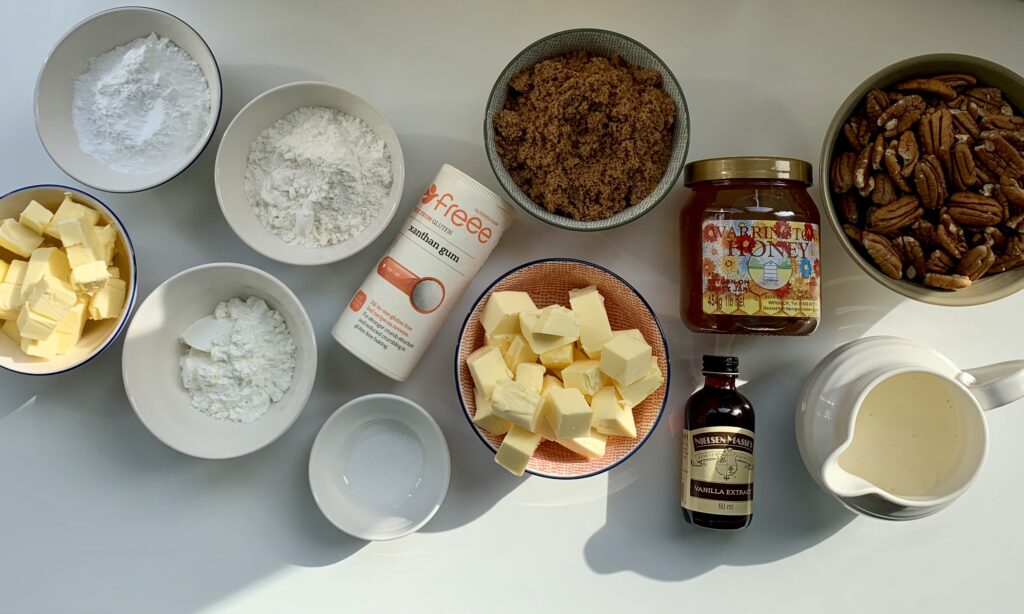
216	119
685	113
390	215
657	322
135	277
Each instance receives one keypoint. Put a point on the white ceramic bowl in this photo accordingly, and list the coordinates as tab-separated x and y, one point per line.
379	467
261	113
98	335
152	375
70	57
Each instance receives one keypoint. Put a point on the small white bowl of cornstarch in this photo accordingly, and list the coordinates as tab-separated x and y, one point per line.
309	173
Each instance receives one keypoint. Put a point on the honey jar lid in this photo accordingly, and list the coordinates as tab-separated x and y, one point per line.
747	167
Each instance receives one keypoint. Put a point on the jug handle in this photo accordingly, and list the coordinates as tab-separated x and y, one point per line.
995	385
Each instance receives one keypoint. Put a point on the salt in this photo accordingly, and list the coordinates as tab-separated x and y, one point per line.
384	465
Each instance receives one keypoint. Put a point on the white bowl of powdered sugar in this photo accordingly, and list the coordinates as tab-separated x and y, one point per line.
308	173
128	99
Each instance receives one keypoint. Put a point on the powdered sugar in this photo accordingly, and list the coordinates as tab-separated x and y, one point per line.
318	177
247	368
142	106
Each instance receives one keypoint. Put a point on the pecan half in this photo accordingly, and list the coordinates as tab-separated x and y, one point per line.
908	150
862	180
936	132
985	100
1000	157
930	182
976	262
933	87
901	115
1006	262
1002	122
923	231
842	172
883	253
963	123
895	215
972	209
857	132
950	237
885	190
877	152
962	167
1016	223
1011	189
856	234
912	256
947	282
848	209
891	161
956	79
875	104
940	262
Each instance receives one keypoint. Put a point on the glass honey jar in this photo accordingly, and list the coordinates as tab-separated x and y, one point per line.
750	243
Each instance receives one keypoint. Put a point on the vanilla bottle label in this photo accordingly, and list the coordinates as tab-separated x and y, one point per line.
718	470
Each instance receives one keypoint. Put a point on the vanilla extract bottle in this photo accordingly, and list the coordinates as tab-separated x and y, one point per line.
718	450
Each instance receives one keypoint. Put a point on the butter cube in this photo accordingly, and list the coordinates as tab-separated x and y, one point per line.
516	403
499	341
114	272
585	376
42	348
539	342
90	277
107	238
3	269
10	301
501	313
35	217
595	330
531	375
625	359
517	449
32	325
611	415
66	343
71	327
78	232
16	271
558	358
519	352
79	255
639	390
591	445
108	301
46	261
10	328
485	418
50	297
568	413
487	366
558	321
69	210
630	332
18	239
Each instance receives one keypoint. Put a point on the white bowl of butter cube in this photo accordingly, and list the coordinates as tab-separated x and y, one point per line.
562	369
67	279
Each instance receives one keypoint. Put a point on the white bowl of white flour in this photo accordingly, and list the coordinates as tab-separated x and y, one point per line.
308	173
220	416
128	99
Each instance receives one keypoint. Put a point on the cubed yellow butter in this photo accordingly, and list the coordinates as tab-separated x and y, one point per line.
558	358
499	341
639	390
531	375
74	321
485	418
630	332
517	449
625	359
550	383
11	301
90	277
10	328
501	313
568	413
108	301
73	231
79	255
516	403
114	272
36	217
69	210
16	271
591	445
46	261
32	325
585	376
50	297
595	330
42	348
66	342
612	416
3	269
18	239
518	352
539	342
487	366
558	321
107	237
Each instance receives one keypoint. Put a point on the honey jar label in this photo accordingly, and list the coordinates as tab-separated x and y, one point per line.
767	268
718	470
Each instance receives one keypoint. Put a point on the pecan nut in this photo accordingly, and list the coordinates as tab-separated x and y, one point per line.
923	231
896	215
842	172
950	236
875	104
883	253
936	132
901	115
848	208
957	79
1000	157
934	87
909	151
947	282
970	209
854	232
940	262
930	182
857	132
862	179
1012	191
976	262
962	167
964	124
912	255
884	191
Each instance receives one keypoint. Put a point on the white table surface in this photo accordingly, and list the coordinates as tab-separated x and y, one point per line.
97	515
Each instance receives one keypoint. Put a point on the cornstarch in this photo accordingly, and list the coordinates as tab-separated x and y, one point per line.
247	368
142	106
318	177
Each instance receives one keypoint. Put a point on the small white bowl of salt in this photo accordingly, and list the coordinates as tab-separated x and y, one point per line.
128	99
379	468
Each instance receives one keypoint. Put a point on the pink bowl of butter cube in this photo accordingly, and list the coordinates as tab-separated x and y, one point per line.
562	369
67	279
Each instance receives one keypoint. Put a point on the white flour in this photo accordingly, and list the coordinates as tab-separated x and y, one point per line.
142	106
318	177
246	370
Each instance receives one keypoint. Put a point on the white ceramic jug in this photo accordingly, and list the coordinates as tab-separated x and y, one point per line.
894	429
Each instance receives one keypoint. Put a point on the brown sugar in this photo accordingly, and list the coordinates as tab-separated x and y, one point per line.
585	136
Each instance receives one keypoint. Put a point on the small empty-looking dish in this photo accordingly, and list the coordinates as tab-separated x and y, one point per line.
379	467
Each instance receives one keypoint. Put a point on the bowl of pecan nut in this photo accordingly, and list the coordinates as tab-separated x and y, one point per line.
923	178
